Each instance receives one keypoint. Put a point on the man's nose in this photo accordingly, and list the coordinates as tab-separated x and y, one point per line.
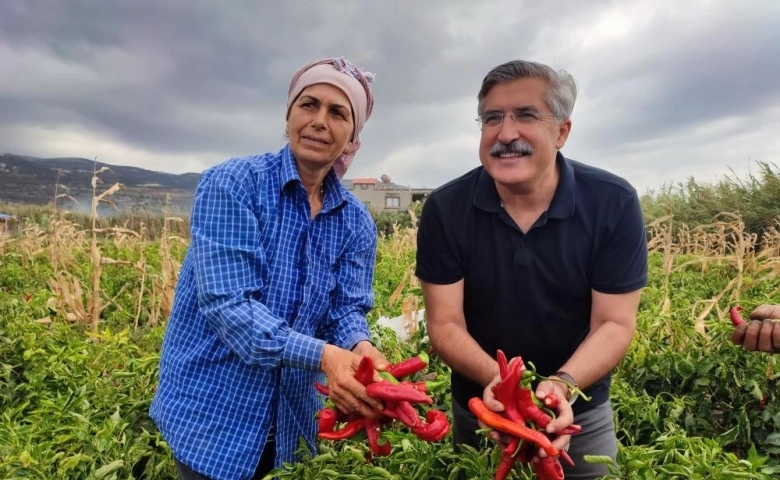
508	130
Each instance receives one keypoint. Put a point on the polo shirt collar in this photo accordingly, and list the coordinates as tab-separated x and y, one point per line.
334	193
562	205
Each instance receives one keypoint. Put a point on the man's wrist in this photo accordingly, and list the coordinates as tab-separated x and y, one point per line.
569	383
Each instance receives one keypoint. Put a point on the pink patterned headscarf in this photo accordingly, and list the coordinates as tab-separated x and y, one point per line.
353	82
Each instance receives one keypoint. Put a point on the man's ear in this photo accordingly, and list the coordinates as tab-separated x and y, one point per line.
563	134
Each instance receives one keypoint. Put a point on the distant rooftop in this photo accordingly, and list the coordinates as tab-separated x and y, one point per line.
360	181
379	185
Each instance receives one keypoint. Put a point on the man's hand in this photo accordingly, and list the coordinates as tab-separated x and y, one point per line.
564	415
493	404
348	394
762	333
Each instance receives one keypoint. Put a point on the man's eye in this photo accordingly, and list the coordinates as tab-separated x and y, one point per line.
526	116
491	119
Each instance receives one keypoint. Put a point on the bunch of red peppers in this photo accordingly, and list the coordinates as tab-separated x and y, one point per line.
399	398
523	421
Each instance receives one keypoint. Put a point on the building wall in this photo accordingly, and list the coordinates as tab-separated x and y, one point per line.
381	199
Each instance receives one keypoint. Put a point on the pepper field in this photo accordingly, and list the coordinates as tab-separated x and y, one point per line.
82	315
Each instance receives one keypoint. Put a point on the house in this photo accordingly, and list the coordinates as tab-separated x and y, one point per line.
383	195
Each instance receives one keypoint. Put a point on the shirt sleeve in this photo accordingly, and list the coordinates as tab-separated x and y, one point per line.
437	257
354	296
229	259
621	263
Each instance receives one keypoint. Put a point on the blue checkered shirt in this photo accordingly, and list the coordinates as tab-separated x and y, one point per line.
261	290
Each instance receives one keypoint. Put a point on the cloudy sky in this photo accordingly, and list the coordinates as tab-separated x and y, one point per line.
668	89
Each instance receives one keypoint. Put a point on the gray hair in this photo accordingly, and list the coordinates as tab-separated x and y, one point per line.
561	90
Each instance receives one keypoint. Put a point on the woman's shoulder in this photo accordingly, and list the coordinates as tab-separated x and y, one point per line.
249	171
357	213
246	165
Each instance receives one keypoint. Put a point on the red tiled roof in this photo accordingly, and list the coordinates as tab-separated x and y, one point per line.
364	180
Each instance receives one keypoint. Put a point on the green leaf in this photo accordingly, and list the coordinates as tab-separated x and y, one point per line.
109	468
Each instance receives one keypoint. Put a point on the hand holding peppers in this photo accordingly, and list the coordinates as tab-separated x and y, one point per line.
564	415
762	333
349	394
398	399
367	349
529	426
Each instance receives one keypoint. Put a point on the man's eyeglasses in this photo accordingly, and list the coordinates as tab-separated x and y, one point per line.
495	119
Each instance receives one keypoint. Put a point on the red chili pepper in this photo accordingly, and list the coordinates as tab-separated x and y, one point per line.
402	411
505	467
505	425
385	390
419	386
348	431
373	432
572	429
736	318
508	459
436	427
503	371
365	371
409	366
567	458
551	400
529	410
328	419
507	389
548	468
323	389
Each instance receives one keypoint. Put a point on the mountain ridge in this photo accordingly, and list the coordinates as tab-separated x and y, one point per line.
32	180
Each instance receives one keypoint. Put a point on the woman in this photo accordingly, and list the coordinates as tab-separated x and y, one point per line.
273	291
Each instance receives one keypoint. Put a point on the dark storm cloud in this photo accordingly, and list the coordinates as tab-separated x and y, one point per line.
209	80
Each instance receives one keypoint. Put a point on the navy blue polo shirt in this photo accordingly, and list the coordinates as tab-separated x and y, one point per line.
529	293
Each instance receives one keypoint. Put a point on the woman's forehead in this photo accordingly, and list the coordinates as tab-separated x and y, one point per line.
327	93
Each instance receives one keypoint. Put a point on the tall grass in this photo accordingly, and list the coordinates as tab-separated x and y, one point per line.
755	198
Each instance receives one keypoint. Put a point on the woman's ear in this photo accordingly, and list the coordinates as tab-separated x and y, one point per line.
348	149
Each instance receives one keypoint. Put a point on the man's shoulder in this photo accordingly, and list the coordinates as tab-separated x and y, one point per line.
458	188
600	180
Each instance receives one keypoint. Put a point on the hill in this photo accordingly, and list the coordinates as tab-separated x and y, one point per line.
32	181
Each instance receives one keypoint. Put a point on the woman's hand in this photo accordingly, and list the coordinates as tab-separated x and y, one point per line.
348	394
367	349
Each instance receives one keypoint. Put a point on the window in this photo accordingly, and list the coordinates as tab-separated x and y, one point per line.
364	186
392	201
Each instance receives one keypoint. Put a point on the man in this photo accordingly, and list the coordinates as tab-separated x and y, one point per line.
762	333
534	254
